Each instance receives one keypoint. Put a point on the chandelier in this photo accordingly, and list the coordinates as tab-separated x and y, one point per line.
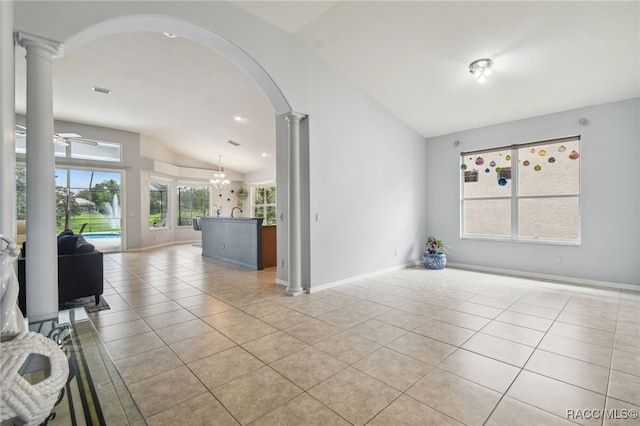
219	180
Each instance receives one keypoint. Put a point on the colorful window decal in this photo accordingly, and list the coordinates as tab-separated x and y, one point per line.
527	192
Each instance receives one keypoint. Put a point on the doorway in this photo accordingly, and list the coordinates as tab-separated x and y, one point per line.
89	203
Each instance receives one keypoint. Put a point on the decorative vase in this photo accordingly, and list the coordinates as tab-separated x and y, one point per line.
434	261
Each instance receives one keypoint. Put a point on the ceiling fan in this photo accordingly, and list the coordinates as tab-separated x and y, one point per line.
62	138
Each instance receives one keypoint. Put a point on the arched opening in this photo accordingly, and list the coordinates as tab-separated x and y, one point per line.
243	61
192	32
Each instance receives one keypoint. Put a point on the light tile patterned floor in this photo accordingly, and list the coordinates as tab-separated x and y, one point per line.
199	341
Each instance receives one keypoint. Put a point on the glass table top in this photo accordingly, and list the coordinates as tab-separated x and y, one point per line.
95	394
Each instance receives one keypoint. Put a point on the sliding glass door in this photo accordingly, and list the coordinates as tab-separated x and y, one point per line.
88	203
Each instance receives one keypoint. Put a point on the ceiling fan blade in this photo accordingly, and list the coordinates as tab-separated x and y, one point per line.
60	140
74	137
85	141
68	135
63	138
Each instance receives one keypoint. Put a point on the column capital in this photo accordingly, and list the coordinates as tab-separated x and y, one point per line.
289	116
26	40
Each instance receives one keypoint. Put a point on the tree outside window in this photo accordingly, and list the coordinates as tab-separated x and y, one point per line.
193	202
264	203
81	203
158	204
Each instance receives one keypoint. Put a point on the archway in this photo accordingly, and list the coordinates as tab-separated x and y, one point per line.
192	32
248	65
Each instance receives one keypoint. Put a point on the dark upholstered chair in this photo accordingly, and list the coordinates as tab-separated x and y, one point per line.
79	275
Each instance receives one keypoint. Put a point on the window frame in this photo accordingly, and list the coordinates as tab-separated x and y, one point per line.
167	217
515	197
265	205
69	151
192	186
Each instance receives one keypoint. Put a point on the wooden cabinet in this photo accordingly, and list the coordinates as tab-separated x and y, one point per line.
269	251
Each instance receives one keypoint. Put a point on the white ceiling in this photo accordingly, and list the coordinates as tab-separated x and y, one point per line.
411	57
173	90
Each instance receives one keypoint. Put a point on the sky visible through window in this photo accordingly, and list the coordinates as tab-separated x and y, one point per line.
82	178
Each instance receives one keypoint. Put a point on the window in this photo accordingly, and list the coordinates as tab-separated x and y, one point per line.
158	204
87	200
94	199
100	151
21	192
526	192
192	202
21	146
85	149
264	203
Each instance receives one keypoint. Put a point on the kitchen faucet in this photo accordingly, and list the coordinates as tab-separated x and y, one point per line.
234	209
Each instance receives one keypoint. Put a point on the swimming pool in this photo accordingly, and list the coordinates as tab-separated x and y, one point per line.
100	235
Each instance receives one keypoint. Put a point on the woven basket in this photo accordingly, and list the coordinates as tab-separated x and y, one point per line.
32	355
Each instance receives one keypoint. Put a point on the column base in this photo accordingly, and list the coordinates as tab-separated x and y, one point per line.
294	292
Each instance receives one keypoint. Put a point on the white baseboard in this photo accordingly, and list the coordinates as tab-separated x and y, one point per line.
171	243
546	277
282	282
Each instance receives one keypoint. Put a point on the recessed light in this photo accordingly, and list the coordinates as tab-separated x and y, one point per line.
101	90
170	35
238	118
264	154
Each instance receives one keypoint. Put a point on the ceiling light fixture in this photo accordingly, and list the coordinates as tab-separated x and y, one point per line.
170	35
480	68
219	180
238	118
101	90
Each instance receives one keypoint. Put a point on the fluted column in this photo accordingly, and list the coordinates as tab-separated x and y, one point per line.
295	211
42	251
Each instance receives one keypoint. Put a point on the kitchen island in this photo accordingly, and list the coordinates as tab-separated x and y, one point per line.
237	240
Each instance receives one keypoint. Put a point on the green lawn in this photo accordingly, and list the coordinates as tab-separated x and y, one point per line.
95	223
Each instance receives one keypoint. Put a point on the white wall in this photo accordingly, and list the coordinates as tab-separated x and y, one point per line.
260	176
152	148
610	154
367	180
282	198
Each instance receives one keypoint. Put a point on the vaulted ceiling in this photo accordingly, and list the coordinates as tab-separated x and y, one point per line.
411	57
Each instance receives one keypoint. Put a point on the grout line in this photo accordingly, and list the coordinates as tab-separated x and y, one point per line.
394	283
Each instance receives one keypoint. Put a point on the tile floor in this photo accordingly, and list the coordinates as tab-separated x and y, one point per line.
202	342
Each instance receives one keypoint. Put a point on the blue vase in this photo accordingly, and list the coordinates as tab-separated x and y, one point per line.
434	261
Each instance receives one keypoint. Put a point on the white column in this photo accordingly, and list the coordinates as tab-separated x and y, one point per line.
42	251
7	121
295	212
